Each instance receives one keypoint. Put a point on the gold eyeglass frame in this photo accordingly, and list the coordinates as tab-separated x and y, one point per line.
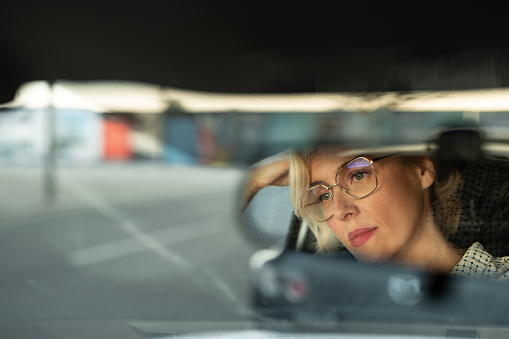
342	189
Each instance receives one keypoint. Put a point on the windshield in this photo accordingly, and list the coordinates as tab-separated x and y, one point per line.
129	213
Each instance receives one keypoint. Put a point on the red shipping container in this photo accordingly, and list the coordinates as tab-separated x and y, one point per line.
117	145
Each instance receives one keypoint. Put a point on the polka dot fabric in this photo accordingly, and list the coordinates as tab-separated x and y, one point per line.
484	202
483	220
479	264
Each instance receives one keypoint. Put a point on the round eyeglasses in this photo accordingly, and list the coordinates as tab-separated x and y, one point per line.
357	179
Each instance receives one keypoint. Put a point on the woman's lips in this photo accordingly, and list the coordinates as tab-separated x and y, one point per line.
360	235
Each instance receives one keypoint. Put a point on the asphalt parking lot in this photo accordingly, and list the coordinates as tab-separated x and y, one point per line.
122	241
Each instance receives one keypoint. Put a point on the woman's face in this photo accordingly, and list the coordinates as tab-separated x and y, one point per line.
386	224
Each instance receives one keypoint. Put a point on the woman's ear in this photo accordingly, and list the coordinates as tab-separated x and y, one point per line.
426	172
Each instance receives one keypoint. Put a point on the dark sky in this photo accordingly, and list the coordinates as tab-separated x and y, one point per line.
236	46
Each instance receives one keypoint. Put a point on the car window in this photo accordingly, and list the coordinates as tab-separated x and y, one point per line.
124	203
98	180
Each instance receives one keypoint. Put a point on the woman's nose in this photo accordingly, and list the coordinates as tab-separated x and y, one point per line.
345	207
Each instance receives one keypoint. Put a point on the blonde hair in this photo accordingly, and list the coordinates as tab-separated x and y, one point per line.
299	180
445	203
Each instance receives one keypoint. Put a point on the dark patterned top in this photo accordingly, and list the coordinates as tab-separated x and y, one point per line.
479	264
484	200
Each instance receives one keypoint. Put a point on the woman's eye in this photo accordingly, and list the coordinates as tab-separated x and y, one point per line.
325	197
359	176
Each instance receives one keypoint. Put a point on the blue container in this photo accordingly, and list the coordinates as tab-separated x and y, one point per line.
180	140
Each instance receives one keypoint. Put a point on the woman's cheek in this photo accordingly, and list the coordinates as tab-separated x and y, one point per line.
338	231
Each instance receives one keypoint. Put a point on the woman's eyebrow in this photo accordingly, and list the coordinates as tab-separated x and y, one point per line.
318	182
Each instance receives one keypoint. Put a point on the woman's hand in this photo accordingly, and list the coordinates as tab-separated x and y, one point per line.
269	172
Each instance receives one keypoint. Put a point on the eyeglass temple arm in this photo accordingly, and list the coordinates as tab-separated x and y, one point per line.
383	157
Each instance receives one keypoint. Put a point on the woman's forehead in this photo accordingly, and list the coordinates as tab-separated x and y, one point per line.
342	152
335	158
325	164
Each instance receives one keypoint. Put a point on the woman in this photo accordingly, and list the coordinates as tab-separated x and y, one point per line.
381	208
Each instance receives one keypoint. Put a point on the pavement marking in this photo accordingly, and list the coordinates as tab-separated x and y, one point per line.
126	224
223	287
123	247
126	246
